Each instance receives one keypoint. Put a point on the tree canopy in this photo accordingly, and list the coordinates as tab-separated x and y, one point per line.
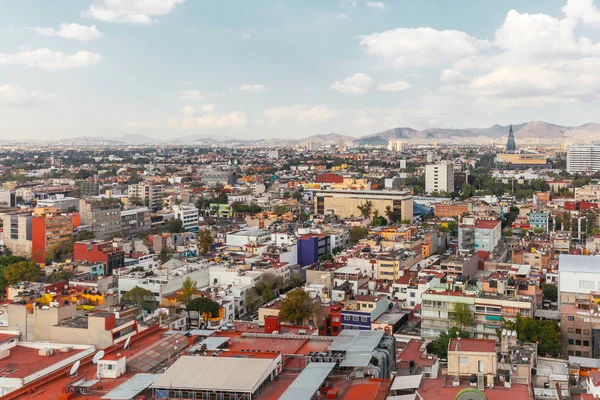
550	292
187	290
141	297
297	306
22	271
357	233
175	226
462	316
205	239
204	305
439	346
546	333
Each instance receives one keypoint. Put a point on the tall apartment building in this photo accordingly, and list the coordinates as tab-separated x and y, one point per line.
17	233
188	215
583	158
135	220
578	296
149	194
588	192
439	177
49	229
104	216
344	203
396	145
90	188
479	235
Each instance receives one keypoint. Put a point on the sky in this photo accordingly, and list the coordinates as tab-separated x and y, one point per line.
292	68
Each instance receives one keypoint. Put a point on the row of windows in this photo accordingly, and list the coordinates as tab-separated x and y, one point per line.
578	342
355	318
579	331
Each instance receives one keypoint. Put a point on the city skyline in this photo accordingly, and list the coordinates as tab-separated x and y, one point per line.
294	69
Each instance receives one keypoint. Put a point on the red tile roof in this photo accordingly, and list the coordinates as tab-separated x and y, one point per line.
486	224
472	345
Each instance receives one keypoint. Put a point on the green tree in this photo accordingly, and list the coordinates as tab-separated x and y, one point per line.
267	295
550	292
23	271
205	239
85	235
365	208
60	252
546	333
462	316
187	290
523	233
393	215
141	297
357	233
439	346
297	307
204	305
175	226
252	300
379	221
508	232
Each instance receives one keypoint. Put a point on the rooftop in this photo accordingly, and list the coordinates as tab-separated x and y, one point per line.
472	345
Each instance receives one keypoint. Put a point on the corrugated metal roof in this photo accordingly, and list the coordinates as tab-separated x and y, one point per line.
575	263
406	382
308	382
131	388
356	341
217	373
585	362
356	360
212	343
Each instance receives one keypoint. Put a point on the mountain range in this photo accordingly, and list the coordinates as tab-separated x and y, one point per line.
525	132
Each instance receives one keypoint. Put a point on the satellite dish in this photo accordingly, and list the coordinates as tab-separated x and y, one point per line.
127	342
98	357
74	368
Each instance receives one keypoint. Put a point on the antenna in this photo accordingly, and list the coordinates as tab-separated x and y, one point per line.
127	342
98	357
74	368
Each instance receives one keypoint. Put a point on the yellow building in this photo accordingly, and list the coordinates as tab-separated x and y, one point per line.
352	184
344	203
522	159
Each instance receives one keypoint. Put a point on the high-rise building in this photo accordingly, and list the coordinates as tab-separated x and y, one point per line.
397	145
313	146
149	194
583	158
49	229
17	233
439	177
90	188
511	146
104	216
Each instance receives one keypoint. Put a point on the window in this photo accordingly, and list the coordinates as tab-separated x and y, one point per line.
570	318
578	342
363	319
335	319
412	294
463	360
586	342
355	318
571	341
370	305
578	331
480	366
571	330
412	303
586	285
346	318
334	329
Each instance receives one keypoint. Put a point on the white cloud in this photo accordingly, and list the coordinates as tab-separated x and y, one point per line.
208	119
320	113
376	4
421	46
71	31
351	3
149	125
361	83
208	108
358	83
254	88
192	95
341	16
135	12
46	58
15	96
188	111
246	36
395	86
582	10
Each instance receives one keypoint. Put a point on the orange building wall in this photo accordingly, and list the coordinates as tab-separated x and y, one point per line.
38	239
